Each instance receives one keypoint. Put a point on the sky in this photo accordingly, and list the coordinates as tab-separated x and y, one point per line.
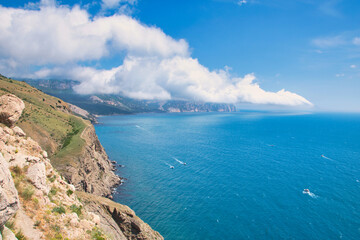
299	54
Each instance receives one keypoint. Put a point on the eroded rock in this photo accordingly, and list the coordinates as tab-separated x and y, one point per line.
11	108
9	200
37	176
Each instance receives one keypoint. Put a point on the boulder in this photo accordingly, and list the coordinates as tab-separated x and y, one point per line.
7	234
18	131
11	108
9	199
37	176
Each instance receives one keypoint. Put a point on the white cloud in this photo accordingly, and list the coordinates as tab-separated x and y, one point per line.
353	66
175	78
58	35
329	41
241	2
356	41
116	3
340	75
59	39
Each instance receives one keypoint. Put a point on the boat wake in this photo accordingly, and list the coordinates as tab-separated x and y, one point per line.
307	192
141	128
181	162
170	166
323	156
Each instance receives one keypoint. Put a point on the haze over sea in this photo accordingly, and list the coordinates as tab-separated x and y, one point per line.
244	175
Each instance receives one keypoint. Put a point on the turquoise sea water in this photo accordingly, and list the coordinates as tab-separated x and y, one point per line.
244	174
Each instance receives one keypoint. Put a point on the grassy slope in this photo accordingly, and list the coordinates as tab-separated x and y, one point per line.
47	121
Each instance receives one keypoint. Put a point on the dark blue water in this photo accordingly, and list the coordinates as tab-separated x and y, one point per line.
245	173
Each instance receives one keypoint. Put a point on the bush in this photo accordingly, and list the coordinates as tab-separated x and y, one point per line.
76	209
52	179
97	234
20	236
16	170
37	223
59	210
27	193
69	192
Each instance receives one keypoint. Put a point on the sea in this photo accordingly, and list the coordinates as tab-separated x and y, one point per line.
239	175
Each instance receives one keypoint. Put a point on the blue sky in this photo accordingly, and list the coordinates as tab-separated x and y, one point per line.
310	48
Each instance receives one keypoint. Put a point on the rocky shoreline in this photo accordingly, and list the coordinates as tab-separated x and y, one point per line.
58	196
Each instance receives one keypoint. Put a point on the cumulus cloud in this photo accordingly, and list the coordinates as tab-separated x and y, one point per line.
116	3
64	42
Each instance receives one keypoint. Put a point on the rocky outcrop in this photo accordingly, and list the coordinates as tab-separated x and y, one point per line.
94	172
83	113
46	206
9	200
11	108
45	199
118	221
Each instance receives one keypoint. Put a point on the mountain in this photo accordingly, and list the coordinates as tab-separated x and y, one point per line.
108	104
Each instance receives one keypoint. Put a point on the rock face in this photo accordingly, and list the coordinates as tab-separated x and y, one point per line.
95	171
9	200
11	108
118	221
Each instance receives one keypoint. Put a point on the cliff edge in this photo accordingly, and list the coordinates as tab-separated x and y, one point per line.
36	201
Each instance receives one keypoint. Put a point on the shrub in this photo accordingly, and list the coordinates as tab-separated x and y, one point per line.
37	223
27	193
96	234
59	210
16	170
52	179
52	193
10	225
20	236
69	192
76	209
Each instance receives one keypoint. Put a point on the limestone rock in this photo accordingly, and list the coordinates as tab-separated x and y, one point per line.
9	200
11	108
117	220
18	131
94	173
7	234
37	176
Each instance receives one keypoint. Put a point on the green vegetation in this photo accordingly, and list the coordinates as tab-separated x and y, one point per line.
69	192
96	234
47	120
20	236
10	225
59	209
27	193
76	209
37	223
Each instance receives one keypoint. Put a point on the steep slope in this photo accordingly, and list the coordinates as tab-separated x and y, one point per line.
46	206
70	141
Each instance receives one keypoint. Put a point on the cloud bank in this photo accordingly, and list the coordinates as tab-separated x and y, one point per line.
66	42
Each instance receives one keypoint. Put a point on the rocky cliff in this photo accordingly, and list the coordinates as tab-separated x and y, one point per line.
91	170
69	140
36	202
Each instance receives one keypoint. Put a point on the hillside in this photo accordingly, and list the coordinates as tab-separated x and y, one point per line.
70	141
39	201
